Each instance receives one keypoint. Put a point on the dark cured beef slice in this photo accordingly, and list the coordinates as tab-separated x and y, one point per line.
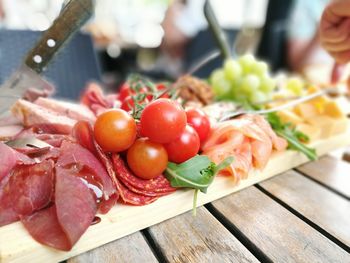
73	153
28	188
61	225
158	184
7	213
75	204
31	187
44	227
9	158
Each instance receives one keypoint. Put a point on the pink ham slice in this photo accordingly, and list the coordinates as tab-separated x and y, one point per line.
74	154
61	225
31	114
69	109
27	189
9	131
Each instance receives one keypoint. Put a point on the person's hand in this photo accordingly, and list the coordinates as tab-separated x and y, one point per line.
335	30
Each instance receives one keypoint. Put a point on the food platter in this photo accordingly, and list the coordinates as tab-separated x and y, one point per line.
18	246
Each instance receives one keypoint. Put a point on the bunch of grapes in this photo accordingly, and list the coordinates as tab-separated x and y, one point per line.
243	80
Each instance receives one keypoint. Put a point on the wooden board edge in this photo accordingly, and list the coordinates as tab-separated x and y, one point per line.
16	245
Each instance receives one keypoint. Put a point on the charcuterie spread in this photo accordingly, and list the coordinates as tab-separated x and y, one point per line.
147	141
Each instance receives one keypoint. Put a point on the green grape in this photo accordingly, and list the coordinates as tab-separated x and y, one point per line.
257	97
250	83
232	69
260	68
295	85
267	85
221	86
246	62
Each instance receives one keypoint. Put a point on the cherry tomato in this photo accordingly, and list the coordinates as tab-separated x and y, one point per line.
147	159
161	87
163	120
128	104
125	91
200	122
184	147
115	130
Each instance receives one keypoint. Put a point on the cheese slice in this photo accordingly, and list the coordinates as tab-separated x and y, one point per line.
306	110
313	132
329	126
289	116
332	109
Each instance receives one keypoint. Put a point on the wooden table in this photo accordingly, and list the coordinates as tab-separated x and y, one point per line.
302	215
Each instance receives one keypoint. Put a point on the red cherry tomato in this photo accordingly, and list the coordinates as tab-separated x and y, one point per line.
200	122
147	159
163	120
115	130
128	104
125	91
184	147
161	87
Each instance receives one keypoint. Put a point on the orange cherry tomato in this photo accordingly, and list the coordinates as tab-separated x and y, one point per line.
147	159
115	130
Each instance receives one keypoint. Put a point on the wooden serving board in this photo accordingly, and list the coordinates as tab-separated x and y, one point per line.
16	245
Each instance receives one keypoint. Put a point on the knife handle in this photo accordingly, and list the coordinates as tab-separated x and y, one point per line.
71	18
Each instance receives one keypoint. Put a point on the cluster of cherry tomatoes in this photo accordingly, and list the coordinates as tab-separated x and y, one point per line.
165	132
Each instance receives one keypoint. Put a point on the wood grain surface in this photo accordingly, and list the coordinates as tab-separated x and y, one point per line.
328	210
186	238
130	249
279	234
331	172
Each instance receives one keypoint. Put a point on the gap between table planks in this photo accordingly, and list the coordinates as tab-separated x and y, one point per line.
122	220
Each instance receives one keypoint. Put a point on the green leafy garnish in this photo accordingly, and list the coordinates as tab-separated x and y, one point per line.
295	138
197	173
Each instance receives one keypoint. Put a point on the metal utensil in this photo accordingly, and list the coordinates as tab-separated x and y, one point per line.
27	142
292	103
71	18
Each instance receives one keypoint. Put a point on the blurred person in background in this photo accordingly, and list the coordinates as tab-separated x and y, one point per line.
304	51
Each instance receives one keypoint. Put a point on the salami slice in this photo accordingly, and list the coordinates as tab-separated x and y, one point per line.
157	185
61	225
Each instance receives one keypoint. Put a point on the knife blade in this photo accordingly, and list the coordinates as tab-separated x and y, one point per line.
73	15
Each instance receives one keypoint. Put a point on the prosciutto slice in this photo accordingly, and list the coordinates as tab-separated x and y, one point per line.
61	225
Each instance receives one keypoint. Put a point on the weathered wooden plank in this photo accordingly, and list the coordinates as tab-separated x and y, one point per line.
278	233
329	171
132	248
186	238
321	206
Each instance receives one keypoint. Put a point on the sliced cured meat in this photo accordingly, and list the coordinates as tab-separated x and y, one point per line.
69	109
9	158
9	131
75	204
31	114
158	184
131	198
96	101
44	227
28	188
61	225
279	143
82	132
31	187
75	154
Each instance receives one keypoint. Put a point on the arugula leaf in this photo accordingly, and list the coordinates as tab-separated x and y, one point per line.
197	173
294	137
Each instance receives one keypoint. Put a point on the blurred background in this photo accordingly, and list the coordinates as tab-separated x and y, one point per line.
165	38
